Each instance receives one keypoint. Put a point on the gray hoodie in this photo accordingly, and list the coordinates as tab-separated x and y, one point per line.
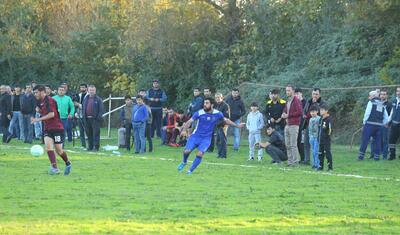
255	122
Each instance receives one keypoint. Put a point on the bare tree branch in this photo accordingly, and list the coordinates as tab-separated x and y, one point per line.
217	7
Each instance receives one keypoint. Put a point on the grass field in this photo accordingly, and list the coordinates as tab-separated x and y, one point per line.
127	194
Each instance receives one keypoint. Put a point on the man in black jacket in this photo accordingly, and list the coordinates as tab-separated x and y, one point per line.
223	107
315	100
275	147
5	111
92	112
237	111
156	98
274	110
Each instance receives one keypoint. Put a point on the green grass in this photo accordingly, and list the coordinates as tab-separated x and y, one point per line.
145	194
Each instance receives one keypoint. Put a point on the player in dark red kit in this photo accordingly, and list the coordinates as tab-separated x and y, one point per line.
53	129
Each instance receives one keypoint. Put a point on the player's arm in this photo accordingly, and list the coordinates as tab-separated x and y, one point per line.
186	126
44	118
230	123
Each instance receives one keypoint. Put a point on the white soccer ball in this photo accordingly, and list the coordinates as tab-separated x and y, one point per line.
37	150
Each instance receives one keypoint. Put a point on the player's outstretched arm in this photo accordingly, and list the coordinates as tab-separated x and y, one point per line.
186	126
44	118
230	123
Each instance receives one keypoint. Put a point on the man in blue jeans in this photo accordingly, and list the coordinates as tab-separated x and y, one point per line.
237	109
139	120
28	106
16	120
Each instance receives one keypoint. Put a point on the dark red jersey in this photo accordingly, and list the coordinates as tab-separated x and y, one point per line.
46	106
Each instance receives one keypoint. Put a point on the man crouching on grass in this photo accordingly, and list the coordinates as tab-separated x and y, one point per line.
53	129
275	147
207	118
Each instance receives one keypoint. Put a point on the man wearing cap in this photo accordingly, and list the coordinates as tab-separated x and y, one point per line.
156	98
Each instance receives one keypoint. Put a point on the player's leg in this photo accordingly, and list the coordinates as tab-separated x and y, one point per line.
190	145
58	144
202	148
49	143
252	141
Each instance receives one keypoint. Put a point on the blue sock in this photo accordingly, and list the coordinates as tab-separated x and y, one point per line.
185	157
196	162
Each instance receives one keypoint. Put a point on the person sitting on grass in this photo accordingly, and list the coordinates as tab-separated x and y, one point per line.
182	118
275	147
171	131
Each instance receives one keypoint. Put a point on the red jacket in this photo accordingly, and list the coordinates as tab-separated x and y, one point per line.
295	112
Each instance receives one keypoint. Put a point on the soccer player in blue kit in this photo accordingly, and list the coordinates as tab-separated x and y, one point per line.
207	118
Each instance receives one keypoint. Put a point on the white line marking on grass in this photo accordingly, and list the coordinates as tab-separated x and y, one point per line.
225	164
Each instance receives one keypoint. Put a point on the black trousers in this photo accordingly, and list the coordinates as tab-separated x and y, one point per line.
300	145
93	133
212	144
393	137
221	142
5	125
325	151
148	136
276	154
156	124
128	135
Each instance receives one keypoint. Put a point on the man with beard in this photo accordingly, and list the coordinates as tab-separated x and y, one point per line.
207	118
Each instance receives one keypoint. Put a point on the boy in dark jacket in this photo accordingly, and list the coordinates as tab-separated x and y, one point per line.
325	132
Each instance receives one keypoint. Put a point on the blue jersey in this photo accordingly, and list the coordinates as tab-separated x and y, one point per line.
207	121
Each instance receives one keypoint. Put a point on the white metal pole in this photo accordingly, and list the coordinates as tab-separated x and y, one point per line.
109	116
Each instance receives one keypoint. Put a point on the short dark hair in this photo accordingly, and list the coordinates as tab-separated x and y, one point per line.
142	90
275	91
127	97
83	84
47	85
139	97
298	89
254	104
317	89
196	88
324	107
39	88
269	126
291	86
212	101
207	89
235	89
314	108
60	86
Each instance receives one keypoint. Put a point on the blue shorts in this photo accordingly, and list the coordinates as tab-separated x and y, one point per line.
202	143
